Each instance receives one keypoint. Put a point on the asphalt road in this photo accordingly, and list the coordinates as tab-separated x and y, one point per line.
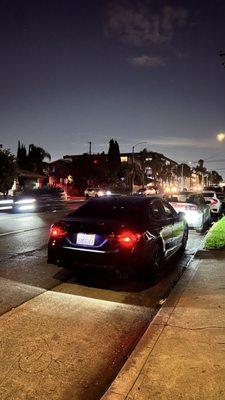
94	319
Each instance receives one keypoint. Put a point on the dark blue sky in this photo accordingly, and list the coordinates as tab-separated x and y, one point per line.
75	71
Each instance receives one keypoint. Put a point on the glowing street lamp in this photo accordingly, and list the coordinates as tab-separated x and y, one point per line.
220	137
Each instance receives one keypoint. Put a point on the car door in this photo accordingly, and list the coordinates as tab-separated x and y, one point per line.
177	225
162	224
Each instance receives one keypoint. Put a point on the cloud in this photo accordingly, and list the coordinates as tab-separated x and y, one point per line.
147	61
174	141
137	24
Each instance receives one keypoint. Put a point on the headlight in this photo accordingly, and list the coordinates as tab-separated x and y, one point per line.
27	207
25	201
108	192
6	201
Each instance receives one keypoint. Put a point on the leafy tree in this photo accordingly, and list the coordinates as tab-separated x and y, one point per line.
22	159
185	169
200	170
114	161
36	156
215	178
33	160
8	170
156	166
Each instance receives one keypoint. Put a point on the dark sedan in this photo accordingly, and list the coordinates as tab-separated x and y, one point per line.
125	233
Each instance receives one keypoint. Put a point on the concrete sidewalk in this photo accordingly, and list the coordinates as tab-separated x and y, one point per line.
182	353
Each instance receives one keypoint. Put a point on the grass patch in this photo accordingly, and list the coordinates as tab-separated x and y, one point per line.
215	238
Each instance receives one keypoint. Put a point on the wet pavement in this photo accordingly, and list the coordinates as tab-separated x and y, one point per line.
122	305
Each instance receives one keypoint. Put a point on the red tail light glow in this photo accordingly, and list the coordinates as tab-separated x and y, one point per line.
128	238
58	231
214	202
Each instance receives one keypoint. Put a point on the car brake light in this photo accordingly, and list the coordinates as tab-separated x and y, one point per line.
214	202
128	238
58	231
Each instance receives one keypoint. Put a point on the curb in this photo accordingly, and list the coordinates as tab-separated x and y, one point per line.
126	378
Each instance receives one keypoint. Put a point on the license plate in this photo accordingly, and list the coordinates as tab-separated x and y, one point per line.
84	238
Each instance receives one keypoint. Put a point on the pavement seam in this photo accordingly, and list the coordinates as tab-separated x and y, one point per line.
179	290
194	329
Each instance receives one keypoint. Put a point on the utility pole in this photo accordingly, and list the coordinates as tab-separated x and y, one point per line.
132	176
90	143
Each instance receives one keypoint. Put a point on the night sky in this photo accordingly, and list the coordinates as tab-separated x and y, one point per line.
78	71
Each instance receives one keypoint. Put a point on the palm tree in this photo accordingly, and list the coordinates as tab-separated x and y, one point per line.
200	170
156	166
36	157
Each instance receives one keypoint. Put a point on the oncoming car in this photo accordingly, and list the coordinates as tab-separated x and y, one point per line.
40	200
96	192
125	233
197	212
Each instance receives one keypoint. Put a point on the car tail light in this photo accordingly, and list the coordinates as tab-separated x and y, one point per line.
58	231
128	238
193	208
214	202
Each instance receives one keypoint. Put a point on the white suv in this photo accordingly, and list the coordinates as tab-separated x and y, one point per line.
96	192
215	203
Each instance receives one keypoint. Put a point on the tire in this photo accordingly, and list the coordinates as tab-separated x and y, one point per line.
157	258
87	196
184	239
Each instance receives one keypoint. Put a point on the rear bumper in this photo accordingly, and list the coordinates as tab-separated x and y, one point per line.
73	258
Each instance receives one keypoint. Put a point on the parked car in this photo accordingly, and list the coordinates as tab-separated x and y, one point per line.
96	192
40	200
197	211
214	201
125	233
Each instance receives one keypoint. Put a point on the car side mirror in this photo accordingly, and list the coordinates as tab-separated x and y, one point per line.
181	215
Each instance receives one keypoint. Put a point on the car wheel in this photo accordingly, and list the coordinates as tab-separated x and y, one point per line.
87	196
157	258
184	239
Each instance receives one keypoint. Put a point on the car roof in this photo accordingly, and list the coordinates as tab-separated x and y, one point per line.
121	199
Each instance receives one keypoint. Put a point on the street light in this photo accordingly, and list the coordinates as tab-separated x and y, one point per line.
132	176
220	136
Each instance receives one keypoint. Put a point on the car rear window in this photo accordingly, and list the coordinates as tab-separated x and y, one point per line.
182	198
129	212
208	194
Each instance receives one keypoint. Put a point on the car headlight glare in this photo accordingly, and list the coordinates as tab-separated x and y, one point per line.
25	201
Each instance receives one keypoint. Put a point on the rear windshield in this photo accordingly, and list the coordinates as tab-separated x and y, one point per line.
129	212
183	198
208	194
